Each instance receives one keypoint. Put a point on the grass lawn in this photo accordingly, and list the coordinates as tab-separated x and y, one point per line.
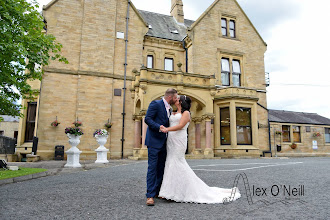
5	174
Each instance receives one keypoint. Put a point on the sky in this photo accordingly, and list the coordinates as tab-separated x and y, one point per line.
297	34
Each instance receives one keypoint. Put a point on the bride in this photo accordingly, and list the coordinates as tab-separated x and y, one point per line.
180	183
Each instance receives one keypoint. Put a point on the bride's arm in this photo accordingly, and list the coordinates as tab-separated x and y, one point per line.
183	121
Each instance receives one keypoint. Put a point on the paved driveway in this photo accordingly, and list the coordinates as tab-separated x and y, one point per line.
296	188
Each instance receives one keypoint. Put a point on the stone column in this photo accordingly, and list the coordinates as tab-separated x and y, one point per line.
198	149
144	149
137	132
233	134
208	152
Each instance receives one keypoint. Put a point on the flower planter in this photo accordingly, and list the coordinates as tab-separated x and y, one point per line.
101	150
73	154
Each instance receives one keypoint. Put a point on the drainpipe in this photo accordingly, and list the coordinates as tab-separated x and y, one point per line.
125	69
270	144
186	49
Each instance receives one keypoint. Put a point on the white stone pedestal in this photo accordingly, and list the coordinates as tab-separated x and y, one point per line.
73	154
101	151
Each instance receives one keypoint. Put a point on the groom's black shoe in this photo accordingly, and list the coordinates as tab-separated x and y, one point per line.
150	202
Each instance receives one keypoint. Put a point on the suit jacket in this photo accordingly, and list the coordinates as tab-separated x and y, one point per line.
155	117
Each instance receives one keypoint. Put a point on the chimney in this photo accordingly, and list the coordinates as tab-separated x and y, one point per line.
177	10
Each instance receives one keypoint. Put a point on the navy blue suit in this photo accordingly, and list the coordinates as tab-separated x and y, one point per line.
156	143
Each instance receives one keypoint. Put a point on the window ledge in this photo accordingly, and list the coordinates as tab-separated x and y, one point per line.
230	38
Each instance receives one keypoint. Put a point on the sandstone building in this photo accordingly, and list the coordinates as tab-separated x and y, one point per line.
121	58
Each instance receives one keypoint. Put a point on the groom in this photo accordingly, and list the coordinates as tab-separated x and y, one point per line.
157	115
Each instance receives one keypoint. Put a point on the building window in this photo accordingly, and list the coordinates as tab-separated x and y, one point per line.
30	121
228	26
308	129
286	133
296	134
150	61
236	73
224	26
232	28
225	71
225	126
169	64
243	126
230	68
327	135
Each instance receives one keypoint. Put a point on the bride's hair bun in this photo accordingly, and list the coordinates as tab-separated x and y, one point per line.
185	103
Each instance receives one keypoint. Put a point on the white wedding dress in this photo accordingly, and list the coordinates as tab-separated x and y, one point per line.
180	183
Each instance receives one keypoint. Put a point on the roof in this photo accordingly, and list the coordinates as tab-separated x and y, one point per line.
8	118
163	26
297	117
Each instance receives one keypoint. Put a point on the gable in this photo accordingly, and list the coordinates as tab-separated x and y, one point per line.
213	5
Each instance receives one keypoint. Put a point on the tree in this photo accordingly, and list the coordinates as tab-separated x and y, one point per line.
24	49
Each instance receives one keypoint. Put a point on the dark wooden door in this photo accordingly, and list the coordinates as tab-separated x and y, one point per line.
30	121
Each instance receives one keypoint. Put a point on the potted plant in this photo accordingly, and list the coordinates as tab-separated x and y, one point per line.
101	136
77	123
278	132
55	123
293	145
108	125
74	134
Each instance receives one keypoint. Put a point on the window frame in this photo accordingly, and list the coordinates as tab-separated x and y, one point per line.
229	143
288	131
226	72
325	133
234	73
234	30
244	126
168	58
152	61
224	27
228	19
293	132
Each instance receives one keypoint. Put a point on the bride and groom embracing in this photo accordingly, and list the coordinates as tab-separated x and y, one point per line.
169	176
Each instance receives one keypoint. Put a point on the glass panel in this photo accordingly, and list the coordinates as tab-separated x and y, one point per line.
225	126
225	79
236	80
308	129
244	135
286	133
168	64
232	24
243	122
232	33
150	61
224	117
243	116
224	31
223	22
225	65
236	66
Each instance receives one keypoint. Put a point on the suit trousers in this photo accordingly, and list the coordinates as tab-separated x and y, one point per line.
156	165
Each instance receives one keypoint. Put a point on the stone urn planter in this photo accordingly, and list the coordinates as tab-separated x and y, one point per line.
101	137
73	154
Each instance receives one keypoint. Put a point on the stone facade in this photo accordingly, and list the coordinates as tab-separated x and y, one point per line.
9	126
94	37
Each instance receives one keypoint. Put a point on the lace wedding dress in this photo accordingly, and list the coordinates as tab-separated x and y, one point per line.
180	183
